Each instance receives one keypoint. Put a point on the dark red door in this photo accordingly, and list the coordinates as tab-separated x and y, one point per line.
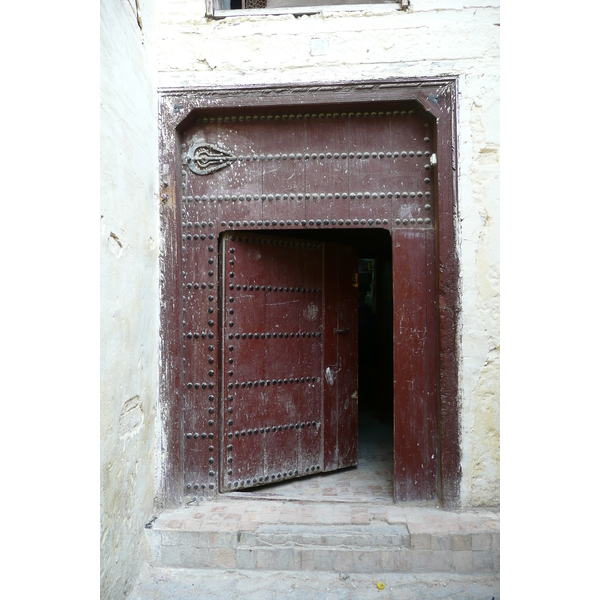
289	359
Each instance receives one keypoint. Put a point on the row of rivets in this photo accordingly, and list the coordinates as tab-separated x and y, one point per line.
196	224
195	335
333	222
267	382
272	477
275	335
268	288
210	486
195	436
296	222
304	223
307	196
305	116
413	221
197	386
194	285
210	373
274	429
334	155
272	242
204	385
210	422
202	236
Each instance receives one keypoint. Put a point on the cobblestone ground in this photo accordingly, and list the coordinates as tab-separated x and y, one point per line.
207	584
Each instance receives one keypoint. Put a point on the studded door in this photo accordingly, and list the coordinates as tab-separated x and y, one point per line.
285	305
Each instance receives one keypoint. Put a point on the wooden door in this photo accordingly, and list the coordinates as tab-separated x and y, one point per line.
289	404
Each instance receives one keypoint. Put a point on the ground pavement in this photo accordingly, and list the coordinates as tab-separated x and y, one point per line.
211	584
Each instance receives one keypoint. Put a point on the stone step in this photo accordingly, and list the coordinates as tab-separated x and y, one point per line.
378	535
356	538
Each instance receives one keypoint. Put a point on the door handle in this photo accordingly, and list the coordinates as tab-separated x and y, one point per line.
347	330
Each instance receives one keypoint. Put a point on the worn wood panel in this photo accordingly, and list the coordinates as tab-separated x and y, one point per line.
431	366
326	166
171	469
247	457
413	145
278	397
414	421
447	273
310	442
347	350
369	166
283	185
282	354
326	181
330	361
284	178
340	406
199	270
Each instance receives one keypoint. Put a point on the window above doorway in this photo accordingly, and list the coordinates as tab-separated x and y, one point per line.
227	8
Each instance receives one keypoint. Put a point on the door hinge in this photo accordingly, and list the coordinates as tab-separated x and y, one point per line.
433	160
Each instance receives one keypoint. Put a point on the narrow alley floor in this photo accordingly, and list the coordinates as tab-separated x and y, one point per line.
213	584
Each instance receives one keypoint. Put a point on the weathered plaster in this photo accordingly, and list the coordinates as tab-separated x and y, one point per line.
129	288
433	38
480	318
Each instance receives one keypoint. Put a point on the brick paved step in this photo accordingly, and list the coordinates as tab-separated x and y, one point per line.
272	538
337	559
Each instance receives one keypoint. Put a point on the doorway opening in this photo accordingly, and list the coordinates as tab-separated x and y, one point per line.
372	479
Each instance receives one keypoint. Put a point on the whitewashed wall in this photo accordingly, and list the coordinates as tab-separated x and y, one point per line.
434	37
129	240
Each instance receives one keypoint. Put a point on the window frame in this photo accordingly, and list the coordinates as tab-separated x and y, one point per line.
213	12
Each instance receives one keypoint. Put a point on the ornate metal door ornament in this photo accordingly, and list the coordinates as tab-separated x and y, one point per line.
204	158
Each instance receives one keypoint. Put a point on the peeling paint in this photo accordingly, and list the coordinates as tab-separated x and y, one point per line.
311	313
329	376
131	418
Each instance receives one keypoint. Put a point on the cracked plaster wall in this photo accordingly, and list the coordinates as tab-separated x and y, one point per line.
433	38
129	234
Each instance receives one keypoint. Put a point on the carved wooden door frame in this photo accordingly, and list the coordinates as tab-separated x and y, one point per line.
437	272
